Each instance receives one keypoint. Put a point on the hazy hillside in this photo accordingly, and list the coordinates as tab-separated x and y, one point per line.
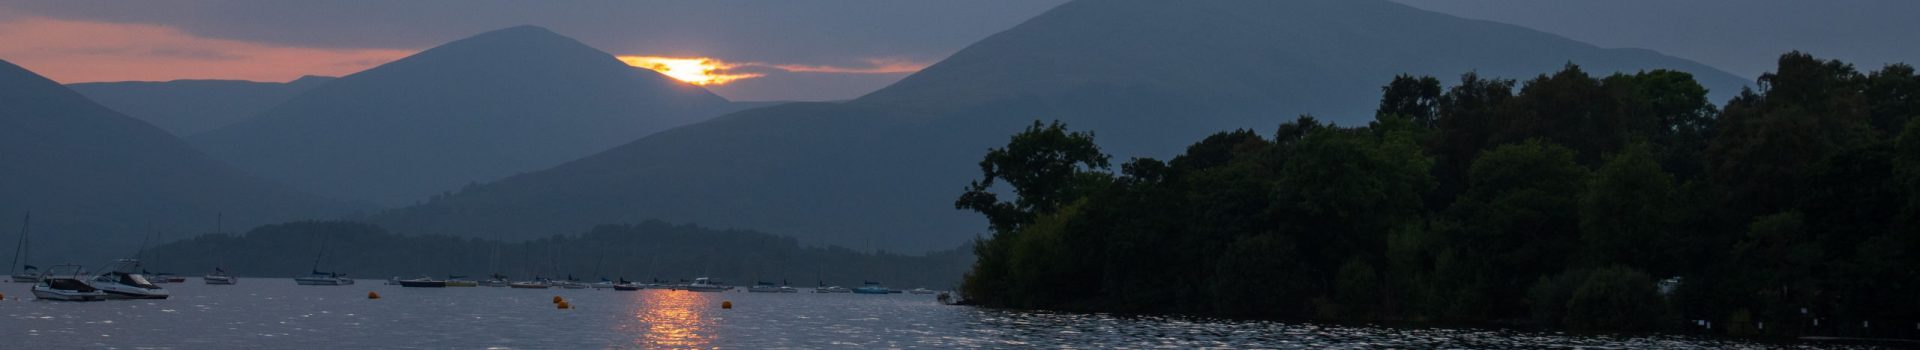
1147	76
96	180
187	107
474	110
637	252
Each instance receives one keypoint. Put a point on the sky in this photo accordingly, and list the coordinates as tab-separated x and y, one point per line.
814	49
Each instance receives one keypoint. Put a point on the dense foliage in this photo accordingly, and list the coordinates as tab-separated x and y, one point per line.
1625	202
639	252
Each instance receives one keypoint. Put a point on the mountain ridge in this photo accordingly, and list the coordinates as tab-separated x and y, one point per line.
472	110
884	168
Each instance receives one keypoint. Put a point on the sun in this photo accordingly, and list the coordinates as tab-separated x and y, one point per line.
693	70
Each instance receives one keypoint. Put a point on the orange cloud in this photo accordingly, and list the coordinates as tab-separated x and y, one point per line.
693	70
83	51
876	66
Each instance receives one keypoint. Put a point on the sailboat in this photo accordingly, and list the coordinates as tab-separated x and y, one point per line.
318	278
30	274
220	276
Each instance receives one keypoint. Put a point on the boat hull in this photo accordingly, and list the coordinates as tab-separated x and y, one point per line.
322	281
67	295
134	293
26	278
220	280
66	289
528	285
423	284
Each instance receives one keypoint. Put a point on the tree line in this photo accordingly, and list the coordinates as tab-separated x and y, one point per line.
1627	202
638	252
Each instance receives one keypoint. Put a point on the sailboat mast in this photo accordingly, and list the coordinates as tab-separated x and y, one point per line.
20	250
316	256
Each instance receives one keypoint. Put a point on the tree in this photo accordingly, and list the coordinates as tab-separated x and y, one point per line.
1518	215
1046	165
1413	98
1807	110
1618	298
1628	211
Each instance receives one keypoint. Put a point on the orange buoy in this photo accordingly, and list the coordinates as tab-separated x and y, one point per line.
726	304
373	295
562	305
557	299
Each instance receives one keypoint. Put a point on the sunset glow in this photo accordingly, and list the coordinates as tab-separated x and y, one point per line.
693	70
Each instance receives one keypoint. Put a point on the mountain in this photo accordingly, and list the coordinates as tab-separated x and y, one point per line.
1147	76
98	182
473	110
187	107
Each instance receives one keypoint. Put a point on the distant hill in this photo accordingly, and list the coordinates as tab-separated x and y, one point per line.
187	107
473	110
638	252
1147	76
98	182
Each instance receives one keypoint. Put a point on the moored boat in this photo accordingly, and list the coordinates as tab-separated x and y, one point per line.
920	291
529	285
121	281
63	283
220	277
423	282
763	287
496	280
703	284
29	274
318	278
872	287
323	279
625	285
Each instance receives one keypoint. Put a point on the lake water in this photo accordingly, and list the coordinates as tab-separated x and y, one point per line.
275	313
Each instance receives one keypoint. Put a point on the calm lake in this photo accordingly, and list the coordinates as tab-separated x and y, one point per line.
275	313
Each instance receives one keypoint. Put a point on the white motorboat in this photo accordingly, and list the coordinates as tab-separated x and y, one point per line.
220	277
920	291
538	283
703	284
604	284
121	281
832	289
64	283
765	287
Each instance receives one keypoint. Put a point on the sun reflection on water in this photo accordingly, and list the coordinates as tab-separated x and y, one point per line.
676	320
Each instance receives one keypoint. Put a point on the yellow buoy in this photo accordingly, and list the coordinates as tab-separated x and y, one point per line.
726	305
373	295
557	299
562	305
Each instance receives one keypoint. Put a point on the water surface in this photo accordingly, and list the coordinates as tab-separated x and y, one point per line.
276	313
